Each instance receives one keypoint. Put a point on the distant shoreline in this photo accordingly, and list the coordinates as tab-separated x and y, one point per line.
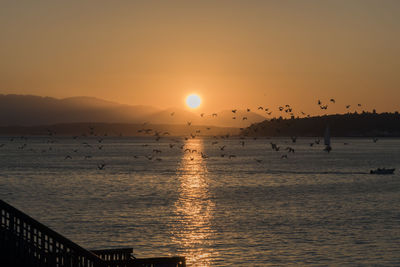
341	125
116	129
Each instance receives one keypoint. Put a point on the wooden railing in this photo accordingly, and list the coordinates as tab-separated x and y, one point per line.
115	255
25	242
124	258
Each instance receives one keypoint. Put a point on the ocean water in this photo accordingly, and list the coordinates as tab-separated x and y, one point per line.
254	209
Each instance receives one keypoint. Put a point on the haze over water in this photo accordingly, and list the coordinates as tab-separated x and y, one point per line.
311	208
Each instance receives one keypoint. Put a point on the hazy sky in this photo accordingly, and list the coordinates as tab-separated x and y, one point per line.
232	53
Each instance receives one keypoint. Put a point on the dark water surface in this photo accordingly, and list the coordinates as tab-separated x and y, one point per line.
311	208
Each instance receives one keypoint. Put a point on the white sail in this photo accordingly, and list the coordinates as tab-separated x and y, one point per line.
327	137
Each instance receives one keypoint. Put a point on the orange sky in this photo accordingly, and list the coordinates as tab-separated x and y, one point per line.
233	53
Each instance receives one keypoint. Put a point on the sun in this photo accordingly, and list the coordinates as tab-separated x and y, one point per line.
193	101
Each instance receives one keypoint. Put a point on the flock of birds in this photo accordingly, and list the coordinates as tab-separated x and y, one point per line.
93	140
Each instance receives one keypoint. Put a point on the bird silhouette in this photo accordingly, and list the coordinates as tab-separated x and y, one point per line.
204	156
328	148
101	166
290	149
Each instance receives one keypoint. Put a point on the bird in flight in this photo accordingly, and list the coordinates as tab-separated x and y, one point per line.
101	166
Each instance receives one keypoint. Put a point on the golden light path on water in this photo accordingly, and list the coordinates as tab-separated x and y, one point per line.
194	208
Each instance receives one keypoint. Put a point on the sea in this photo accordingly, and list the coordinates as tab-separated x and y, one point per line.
216	201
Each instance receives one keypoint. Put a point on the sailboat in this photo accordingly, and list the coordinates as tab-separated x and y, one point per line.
327	139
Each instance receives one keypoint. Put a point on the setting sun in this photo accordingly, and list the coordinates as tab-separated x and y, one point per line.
193	101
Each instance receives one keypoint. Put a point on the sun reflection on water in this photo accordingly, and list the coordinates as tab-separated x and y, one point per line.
194	208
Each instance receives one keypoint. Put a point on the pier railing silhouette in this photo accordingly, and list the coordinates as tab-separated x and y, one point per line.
25	242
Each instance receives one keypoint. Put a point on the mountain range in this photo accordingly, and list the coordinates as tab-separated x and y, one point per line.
30	110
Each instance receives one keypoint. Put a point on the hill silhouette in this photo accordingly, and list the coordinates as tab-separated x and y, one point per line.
29	110
365	124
